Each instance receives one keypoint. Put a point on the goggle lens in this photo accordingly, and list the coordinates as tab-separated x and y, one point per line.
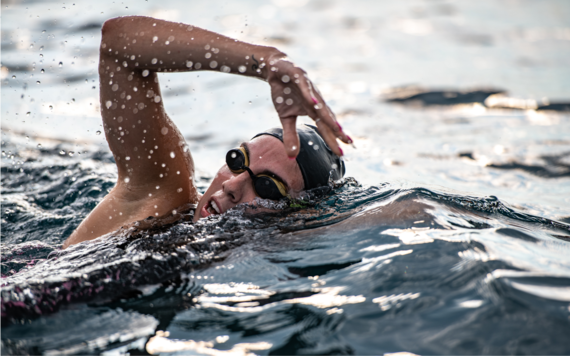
268	187
236	159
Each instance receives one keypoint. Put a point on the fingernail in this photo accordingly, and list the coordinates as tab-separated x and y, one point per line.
339	127
341	153
315	100
349	139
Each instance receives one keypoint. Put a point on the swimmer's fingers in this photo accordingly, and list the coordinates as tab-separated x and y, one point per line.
330	137
290	136
320	112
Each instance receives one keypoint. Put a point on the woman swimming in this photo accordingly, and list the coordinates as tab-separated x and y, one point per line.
155	167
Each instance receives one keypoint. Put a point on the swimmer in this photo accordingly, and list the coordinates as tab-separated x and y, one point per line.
155	167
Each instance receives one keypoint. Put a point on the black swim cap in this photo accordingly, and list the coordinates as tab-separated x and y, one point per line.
316	160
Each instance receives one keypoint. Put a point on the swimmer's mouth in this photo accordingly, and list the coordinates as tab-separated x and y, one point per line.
211	208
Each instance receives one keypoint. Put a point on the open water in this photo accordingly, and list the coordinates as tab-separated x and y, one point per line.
453	239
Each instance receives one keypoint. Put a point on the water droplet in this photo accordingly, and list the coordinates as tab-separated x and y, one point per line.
154	39
225	69
250	102
41	49
70	153
289	101
32	45
198	65
28	113
285	78
310	143
27	138
108	103
41	56
157	187
172	155
287	90
13	77
38	82
127	158
115	87
279	100
97	132
62	152
318	106
316	147
154	60
164	130
242	69
157	99
179	190
126	180
145	73
60	64
39	145
42	71
213	64
189	64
334	166
44	31
51	107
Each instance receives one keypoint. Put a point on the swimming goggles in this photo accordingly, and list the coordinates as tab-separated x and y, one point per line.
265	186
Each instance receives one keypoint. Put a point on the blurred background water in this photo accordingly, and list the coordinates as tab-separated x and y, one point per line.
468	98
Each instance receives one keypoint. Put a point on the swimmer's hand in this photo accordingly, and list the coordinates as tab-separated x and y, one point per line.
294	95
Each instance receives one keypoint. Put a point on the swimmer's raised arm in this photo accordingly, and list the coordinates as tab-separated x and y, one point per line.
155	168
144	43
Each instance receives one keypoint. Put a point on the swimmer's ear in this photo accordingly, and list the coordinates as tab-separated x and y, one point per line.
290	136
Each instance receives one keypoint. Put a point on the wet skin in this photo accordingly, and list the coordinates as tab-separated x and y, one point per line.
267	155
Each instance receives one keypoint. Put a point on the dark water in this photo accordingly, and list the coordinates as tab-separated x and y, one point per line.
364	270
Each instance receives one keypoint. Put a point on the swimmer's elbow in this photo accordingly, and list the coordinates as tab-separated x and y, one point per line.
110	26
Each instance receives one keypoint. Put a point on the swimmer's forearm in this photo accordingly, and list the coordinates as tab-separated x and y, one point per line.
137	42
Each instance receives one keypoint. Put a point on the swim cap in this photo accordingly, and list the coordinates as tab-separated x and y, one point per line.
316	160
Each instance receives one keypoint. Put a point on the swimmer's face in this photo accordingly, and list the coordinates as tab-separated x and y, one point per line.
266	155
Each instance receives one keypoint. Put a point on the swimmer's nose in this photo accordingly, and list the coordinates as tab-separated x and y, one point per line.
237	188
